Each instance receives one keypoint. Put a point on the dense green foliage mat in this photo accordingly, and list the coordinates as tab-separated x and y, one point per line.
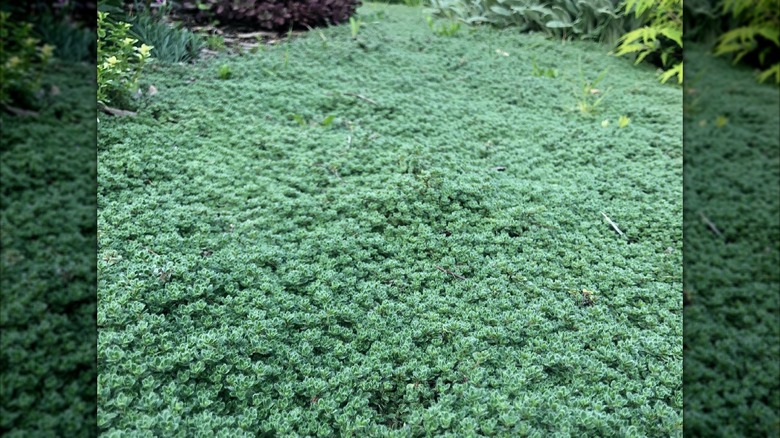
47	305
414	264
732	212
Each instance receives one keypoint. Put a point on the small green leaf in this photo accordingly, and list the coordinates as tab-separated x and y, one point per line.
676	70
299	118
673	34
768	73
328	120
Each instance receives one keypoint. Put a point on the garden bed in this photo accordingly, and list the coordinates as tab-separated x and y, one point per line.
395	234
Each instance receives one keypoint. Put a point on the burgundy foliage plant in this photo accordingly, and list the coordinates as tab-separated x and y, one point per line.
275	15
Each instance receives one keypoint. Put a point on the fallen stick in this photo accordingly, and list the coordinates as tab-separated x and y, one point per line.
361	97
257	34
447	271
614	225
711	225
115	111
19	111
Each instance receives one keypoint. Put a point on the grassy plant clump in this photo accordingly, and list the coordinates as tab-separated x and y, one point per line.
392	238
171	44
74	42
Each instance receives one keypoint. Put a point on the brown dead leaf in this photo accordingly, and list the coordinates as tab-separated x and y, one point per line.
152	90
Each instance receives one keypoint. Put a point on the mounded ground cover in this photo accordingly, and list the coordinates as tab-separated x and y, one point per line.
47	304
732	325
265	267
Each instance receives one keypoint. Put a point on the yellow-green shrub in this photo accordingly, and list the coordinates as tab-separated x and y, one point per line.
758	35
120	61
22	61
664	19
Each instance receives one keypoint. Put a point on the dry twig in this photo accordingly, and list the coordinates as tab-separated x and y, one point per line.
614	225
359	96
19	111
116	111
711	225
447	271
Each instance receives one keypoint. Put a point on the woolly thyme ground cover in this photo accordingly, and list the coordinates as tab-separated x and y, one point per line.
47	304
732	165
263	270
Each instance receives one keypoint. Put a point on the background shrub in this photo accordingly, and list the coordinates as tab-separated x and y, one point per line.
745	30
75	42
67	25
661	36
151	25
171	44
756	36
23	60
702	21
277	15
120	61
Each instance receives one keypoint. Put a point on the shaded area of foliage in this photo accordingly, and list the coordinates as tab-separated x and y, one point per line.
732	219
47	309
747	30
277	15
660	37
332	242
33	34
23	60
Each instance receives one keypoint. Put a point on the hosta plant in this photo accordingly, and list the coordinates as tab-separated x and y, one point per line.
601	20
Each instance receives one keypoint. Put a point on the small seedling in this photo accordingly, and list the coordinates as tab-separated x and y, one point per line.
543	72
623	121
299	118
302	122
287	48
225	72
354	25
327	121
323	38
443	29
589	98
215	43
